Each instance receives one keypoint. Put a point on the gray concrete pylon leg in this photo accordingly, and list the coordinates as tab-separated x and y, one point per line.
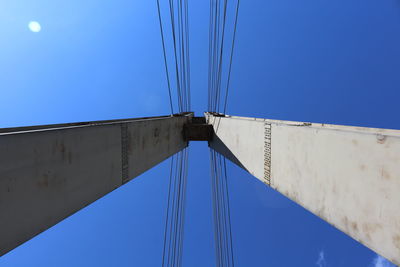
49	172
348	176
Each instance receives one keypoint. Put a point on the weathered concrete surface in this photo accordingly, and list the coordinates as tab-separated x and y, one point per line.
348	176
49	172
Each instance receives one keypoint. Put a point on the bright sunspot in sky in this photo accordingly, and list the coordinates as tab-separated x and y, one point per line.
34	26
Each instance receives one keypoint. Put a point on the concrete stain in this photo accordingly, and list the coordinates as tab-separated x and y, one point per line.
62	148
156	132
345	222
143	144
396	241
380	139
44	181
385	175
370	228
354	226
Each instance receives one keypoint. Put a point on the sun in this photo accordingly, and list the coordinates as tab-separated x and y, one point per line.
34	26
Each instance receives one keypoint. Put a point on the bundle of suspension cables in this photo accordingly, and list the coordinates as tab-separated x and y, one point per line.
219	74
176	203
217	101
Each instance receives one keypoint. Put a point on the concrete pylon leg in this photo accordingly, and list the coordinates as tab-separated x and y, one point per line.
49	172
348	176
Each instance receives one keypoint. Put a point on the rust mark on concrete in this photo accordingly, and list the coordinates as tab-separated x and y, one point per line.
355	142
354	226
351	225
49	179
60	148
362	167
370	228
380	139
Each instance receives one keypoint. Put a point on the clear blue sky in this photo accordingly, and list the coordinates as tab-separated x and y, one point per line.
322	61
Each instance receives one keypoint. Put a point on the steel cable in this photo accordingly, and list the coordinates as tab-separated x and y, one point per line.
175	211
165	57
217	68
231	56
221	211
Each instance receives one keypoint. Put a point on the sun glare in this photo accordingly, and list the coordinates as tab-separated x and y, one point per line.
34	26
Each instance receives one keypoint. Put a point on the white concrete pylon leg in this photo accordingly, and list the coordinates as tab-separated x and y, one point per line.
348	176
49	172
